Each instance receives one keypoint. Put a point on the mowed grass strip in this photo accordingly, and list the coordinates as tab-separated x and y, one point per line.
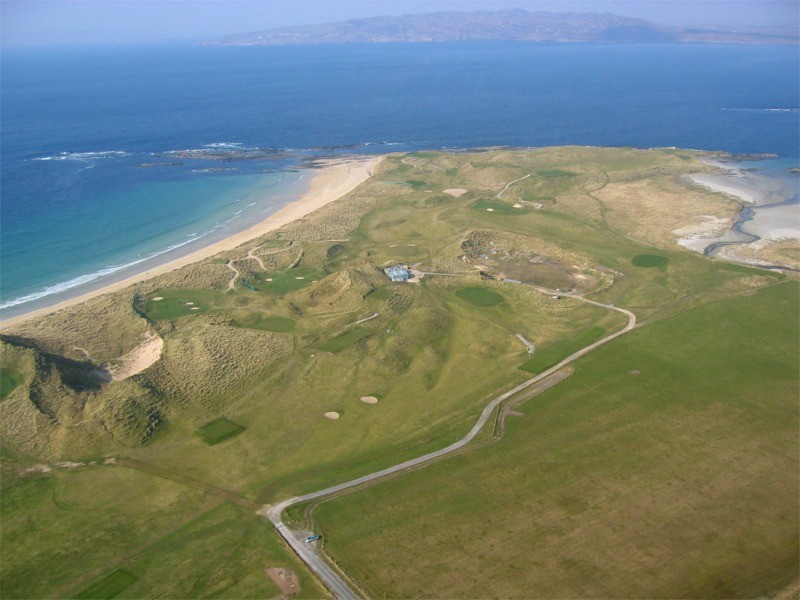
499	207
666	466
9	381
109	586
555	352
287	281
219	430
176	303
649	260
344	340
480	296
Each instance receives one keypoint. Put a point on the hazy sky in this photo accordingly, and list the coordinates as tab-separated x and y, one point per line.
34	22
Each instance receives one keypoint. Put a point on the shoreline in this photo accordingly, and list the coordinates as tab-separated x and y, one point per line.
335	179
768	215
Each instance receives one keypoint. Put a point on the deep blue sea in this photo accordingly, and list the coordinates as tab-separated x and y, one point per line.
92	188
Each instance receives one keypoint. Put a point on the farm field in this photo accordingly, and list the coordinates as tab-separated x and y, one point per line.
231	415
663	449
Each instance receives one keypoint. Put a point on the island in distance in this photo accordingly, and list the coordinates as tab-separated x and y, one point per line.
510	25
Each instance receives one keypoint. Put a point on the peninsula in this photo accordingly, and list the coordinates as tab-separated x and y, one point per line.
509	24
551	395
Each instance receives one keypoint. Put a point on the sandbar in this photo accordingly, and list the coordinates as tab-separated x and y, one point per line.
335	179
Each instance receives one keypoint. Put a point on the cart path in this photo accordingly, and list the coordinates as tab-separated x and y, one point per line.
510	183
232	282
332	579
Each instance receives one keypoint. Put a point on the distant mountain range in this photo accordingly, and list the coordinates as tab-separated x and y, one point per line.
514	24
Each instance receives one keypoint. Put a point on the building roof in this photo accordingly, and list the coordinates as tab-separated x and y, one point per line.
398	272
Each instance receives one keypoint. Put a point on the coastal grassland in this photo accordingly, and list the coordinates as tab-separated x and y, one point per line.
433	358
678	480
233	356
219	430
74	532
108	587
10	379
479	296
83	332
553	353
342	341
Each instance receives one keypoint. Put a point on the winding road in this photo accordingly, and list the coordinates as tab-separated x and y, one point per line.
332	579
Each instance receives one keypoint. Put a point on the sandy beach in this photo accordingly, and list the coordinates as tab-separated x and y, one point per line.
335	179
771	219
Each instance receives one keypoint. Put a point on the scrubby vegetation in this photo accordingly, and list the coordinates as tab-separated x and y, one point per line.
318	326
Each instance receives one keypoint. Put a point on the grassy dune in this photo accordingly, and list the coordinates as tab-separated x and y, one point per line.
254	369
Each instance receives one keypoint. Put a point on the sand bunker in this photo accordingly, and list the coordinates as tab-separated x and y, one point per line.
455	192
299	277
157	298
369	399
518	205
189	303
138	359
268	279
489	210
332	415
195	308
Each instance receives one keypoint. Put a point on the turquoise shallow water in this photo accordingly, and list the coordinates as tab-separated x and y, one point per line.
76	126
182	216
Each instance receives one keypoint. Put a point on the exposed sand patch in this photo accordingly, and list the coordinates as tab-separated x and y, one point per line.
285	579
157	299
728	185
489	210
369	399
299	277
138	359
455	192
517	205
332	415
702	232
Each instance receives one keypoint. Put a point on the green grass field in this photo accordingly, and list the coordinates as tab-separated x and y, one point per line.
340	342
219	430
76	534
109	587
275	360
678	481
288	281
552	354
498	206
480	296
649	260
177	303
9	381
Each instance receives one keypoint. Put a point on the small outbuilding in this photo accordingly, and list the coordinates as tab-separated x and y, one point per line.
398	273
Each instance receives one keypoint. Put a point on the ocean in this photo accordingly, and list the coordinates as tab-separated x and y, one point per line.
111	158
